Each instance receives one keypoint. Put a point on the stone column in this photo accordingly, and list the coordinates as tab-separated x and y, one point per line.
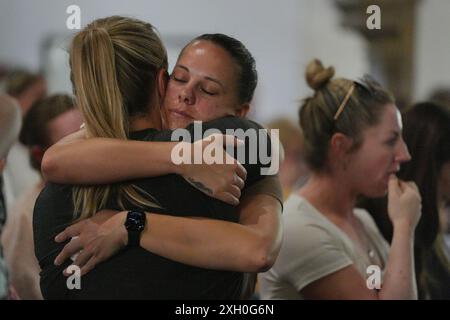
391	48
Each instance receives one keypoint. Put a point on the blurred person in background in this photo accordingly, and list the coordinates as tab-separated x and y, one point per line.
19	176
441	96
427	134
46	122
293	169
10	122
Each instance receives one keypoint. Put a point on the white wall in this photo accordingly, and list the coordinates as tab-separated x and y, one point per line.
432	60
282	35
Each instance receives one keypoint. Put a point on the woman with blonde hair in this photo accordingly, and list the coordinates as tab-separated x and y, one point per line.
354	147
118	71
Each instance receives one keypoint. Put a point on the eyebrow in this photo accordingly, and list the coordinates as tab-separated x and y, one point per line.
395	133
206	77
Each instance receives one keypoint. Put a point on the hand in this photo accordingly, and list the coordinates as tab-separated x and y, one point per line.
221	176
101	229
404	203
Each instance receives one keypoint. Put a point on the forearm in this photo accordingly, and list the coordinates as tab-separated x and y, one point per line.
250	246
399	280
261	214
205	243
104	160
215	244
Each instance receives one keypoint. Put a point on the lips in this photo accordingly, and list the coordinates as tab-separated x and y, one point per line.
180	113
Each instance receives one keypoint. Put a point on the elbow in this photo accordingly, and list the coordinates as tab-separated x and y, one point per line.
49	167
262	263
263	257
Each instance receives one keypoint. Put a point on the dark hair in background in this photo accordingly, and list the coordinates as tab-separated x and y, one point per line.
248	77
34	128
441	96
20	80
426	132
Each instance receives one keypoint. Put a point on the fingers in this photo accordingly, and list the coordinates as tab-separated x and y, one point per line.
235	191
82	259
241	172
69	250
393	186
228	198
238	182
413	185
70	232
93	261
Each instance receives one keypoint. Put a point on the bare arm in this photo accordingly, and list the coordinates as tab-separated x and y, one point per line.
347	283
399	279
249	246
76	160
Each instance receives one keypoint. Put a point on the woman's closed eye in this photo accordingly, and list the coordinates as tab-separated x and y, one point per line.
179	79
208	92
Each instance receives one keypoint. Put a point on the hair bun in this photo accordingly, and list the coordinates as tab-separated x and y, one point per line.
317	76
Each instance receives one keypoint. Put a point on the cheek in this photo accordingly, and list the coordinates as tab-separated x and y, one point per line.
207	110
369	173
171	91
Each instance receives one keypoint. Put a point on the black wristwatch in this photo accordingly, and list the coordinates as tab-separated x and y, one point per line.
135	224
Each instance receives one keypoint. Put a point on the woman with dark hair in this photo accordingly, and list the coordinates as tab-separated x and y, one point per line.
427	134
189	248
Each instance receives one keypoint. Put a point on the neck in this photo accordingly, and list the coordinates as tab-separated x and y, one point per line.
330	195
152	119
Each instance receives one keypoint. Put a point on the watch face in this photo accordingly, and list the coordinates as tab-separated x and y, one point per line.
135	221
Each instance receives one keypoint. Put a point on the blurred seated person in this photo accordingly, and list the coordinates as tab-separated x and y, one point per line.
10	122
26	88
293	169
47	121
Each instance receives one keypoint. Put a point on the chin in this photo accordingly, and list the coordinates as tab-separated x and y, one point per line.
378	193
177	123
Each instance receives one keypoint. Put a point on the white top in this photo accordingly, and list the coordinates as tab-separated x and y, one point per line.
313	247
18	176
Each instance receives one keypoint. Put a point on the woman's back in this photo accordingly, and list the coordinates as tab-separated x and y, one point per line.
136	273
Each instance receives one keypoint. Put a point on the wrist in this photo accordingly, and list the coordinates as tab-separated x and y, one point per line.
135	223
404	227
181	168
123	232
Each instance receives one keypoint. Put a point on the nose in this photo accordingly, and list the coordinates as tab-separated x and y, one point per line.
187	96
402	154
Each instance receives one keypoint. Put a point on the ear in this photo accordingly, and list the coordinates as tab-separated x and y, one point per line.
37	153
162	80
340	145
243	110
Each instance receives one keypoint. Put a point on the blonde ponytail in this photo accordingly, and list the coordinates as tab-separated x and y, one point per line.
114	63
